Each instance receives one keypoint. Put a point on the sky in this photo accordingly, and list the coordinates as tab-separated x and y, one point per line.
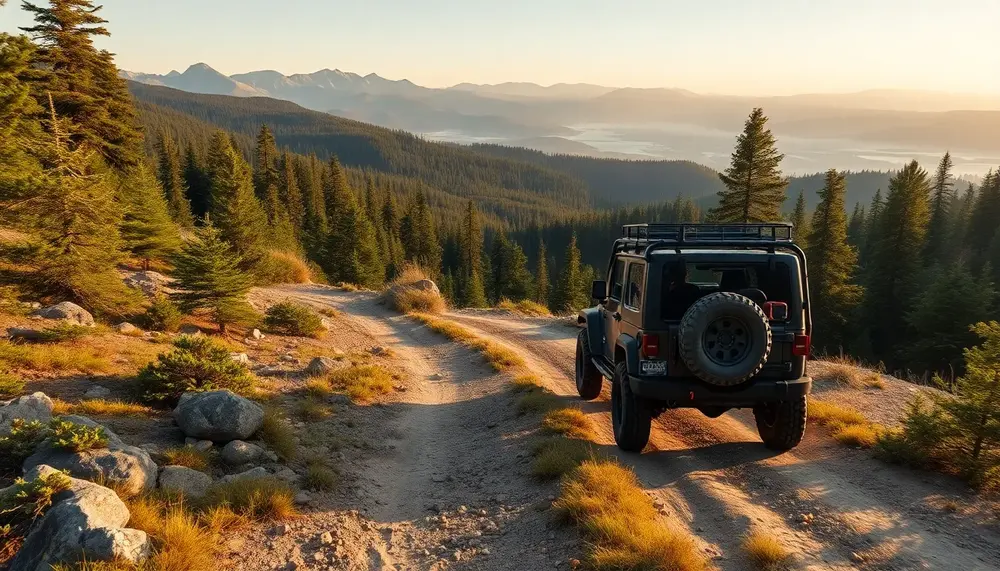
739	47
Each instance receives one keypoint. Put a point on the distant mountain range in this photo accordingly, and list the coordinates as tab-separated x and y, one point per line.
630	122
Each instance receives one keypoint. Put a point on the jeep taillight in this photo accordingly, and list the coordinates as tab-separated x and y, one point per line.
801	345
650	345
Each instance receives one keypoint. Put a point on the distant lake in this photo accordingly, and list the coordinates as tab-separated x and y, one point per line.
711	147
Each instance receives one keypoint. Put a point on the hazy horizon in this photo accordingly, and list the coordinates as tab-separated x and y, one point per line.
797	47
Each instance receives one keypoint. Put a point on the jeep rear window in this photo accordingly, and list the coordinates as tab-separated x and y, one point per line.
715	277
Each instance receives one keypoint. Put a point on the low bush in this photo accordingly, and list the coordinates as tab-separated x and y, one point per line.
21	505
363	383
290	318
623	527
260	499
64	332
189	457
76	437
161	315
278	434
284	268
195	364
525	307
21	442
10	386
764	551
557	456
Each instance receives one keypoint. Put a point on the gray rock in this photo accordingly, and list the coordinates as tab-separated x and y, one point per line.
251	474
189	329
323	365
203	445
256	334
273	371
150	283
24	333
59	537
241	358
187	481
129	468
116	544
219	416
67	311
239	452
97	392
288	475
126	328
35	406
325	323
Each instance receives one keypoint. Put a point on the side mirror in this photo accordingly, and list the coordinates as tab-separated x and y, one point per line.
599	290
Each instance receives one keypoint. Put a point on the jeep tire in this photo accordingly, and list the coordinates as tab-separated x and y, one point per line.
588	379
781	425
631	416
724	339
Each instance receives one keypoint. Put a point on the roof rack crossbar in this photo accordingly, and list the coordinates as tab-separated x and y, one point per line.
681	234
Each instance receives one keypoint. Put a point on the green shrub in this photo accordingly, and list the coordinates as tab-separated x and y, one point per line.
64	332
10	386
196	364
24	503
162	315
289	318
76	437
15	447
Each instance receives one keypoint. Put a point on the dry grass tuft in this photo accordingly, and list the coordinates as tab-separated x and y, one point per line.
363	383
146	513
852	374
329	312
619	519
312	410
449	329
184	545
524	383
538	400
500	356
862	435
278	434
101	407
555	457
221	519
45	358
826	413
525	307
285	268
189	457
10	386
765	552
319	387
412	299
259	499
320	477
848	426
571	422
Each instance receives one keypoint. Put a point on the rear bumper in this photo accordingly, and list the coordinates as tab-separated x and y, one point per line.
680	393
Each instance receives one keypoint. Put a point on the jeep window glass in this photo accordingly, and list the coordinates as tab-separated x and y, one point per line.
617	279
636	280
707	277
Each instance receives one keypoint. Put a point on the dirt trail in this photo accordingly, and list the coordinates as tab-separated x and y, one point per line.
717	476
456	446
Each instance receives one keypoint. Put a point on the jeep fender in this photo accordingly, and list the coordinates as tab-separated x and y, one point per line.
630	347
593	320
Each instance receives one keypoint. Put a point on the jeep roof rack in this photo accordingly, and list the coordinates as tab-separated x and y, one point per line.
721	234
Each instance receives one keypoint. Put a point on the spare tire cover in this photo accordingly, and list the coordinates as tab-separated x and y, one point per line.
725	339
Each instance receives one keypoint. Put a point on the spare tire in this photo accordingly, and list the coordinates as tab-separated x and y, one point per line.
725	339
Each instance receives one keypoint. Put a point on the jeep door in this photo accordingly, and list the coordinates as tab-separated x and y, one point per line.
612	308
633	299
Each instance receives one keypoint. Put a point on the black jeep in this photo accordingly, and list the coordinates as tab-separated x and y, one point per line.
706	316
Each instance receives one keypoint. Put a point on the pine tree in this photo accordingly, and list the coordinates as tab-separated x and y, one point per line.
210	276
985	214
871	227
942	198
147	229
18	118
172	180
291	195
395	254
71	214
895	259
800	222
83	82
755	189
237	213
832	263
542	276
420	237
856	227
943	312
959	224
570	294
352	254
469	283
334	187
198	184
509	265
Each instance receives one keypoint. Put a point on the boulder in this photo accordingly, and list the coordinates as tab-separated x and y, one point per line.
219	416
189	329
60	535
97	392
35	406
241	358
187	481
325	323
126	328
256	334
116	544
67	311
239	452
25	333
251	474
199	445
129	468
150	284
322	365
